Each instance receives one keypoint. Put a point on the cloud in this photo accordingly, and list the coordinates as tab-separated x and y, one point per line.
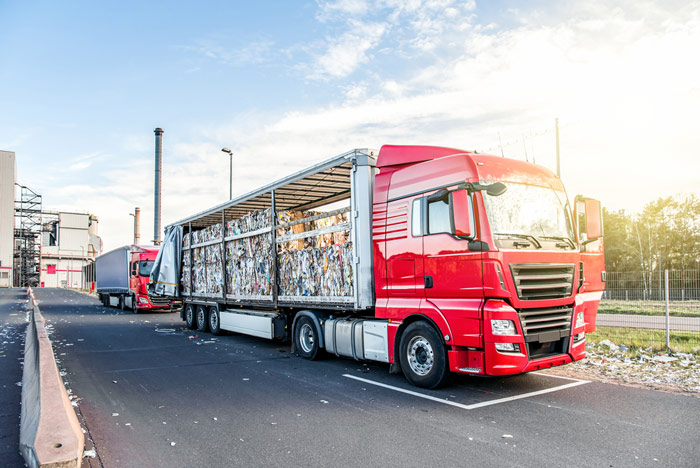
617	75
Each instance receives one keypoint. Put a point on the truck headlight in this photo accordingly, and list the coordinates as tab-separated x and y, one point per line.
503	327
143	300
580	321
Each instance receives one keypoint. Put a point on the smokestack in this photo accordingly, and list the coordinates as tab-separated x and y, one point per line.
137	225
156	190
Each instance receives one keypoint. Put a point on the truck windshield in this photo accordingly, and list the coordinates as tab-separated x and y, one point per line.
145	267
525	212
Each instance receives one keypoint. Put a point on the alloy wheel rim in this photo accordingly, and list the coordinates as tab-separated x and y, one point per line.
421	357
306	338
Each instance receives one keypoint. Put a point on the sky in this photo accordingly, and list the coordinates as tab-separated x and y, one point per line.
285	84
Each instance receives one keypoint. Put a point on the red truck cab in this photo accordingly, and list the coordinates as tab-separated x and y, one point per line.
140	265
486	249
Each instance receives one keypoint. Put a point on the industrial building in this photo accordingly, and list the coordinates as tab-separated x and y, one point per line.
69	242
8	177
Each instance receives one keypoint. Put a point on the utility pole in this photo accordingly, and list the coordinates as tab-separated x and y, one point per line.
556	128
230	180
157	186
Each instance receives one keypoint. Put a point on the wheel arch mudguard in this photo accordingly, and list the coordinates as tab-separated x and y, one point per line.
316	317
405	323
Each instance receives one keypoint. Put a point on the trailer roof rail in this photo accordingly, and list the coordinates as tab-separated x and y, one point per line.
318	185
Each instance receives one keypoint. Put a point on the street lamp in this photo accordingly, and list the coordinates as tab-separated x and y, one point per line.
230	181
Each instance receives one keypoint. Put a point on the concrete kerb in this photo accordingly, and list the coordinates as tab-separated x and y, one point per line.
50	434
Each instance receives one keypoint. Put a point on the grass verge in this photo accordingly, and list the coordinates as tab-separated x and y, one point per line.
681	341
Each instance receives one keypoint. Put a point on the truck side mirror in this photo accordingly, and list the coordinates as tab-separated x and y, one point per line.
589	219
462	213
594	223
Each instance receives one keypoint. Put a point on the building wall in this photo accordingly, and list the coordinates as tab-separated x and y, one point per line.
62	264
8	177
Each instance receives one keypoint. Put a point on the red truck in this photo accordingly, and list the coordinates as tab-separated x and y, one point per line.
439	260
122	278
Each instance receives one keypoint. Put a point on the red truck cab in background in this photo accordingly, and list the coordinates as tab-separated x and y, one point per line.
122	279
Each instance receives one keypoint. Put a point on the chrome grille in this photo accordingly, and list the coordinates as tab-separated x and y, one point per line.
157	300
538	281
546	324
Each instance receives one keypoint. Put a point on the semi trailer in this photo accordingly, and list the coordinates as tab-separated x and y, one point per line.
434	260
122	279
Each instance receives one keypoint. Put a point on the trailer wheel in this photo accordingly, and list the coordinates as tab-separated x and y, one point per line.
306	339
190	316
201	318
423	357
214	320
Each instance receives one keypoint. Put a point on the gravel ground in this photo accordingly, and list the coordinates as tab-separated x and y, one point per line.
613	363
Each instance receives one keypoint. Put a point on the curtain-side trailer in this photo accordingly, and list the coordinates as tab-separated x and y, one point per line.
410	256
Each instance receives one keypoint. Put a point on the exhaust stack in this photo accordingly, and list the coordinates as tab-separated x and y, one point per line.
157	186
137	226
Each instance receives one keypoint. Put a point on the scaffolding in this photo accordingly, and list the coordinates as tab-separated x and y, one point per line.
27	253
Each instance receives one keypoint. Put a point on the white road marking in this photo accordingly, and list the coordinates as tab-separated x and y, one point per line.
560	377
475	405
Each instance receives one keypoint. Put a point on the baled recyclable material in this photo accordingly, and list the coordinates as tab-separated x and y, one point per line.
317	265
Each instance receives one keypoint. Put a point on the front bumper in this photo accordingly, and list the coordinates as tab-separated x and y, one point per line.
491	361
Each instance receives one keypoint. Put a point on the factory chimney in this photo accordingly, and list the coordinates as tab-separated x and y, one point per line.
137	225
157	186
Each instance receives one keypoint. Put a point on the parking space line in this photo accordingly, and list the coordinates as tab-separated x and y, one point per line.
475	405
408	392
560	377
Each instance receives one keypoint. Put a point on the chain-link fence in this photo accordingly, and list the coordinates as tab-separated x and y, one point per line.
656	309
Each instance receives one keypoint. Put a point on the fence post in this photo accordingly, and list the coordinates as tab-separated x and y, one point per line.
668	313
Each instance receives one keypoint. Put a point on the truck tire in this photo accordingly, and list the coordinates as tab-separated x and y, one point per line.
214	320
423	356
201	318
135	309
306	339
122	302
191	316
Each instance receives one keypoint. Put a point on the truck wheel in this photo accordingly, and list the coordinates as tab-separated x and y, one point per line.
306	339
190	316
201	318
122	302
214	322
133	305
423	357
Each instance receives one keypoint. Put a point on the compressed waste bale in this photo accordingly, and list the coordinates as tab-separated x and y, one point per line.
199	270
214	275
248	222
186	272
326	271
249	265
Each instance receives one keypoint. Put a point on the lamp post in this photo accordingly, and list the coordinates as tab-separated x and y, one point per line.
230	180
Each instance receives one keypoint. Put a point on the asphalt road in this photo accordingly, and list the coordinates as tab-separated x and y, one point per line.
152	393
13	323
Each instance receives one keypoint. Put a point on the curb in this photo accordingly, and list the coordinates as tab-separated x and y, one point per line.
50	434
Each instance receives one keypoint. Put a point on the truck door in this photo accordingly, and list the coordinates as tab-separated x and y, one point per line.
404	253
134	275
453	273
589	227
